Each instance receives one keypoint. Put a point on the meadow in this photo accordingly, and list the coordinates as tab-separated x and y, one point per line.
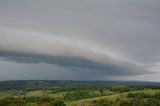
82	95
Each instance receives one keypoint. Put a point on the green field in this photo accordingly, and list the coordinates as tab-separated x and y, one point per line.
83	96
90	101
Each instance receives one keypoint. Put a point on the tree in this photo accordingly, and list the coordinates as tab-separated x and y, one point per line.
101	90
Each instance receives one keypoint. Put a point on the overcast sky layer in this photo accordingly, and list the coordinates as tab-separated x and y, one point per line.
80	39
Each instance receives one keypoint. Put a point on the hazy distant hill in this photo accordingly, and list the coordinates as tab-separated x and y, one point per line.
22	84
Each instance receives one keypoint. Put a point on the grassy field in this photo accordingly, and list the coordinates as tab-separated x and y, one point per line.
82	96
88	102
4	94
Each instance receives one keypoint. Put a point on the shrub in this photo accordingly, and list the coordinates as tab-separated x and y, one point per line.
157	95
139	95
102	102
10	101
57	103
125	103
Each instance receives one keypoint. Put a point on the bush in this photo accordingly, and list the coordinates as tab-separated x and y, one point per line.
157	95
125	103
57	103
102	102
10	101
120	89
77	95
139	95
151	102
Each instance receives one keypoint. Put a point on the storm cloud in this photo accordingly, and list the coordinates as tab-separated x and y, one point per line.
102	39
27	47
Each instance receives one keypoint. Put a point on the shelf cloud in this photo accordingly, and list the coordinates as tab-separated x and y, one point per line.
29	47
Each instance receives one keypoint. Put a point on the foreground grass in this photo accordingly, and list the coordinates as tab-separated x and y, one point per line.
88	102
112	96
4	94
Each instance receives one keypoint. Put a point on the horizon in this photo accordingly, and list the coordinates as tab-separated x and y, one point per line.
85	80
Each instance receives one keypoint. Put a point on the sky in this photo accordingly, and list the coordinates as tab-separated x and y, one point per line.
80	40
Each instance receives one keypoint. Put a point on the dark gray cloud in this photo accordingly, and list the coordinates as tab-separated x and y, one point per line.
113	37
30	47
